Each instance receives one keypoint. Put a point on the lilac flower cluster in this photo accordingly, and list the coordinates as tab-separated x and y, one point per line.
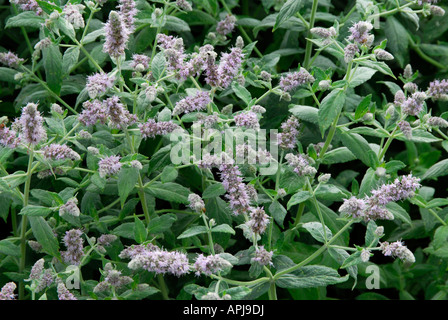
98	84
197	62
196	203
7	292
438	90
248	119
117	35
128	12
359	33
405	127
105	240
73	14
236	189
60	152
43	277
93	111
197	102
70	208
112	278
64	293
174	51
226	26
397	249
119	116
287	139
374	207
140	61
293	80
229	66
153	259
8	137
10	59
259	220
28	5
109	166
300	165
263	256
74	244
414	105
349	52
151	128
31	125
209	265
184	5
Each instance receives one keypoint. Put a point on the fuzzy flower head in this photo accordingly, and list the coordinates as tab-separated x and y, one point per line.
31	125
70	208
405	127
98	84
438	90
60	152
74	245
151	128
287	139
93	112
128	12
197	102
7	291
349	52
64	293
10	59
398	250
300	165
248	119
119	116
226	26
117	35
359	32
293	80
262	256
414	104
209	265
140	61
229	66
109	166
8	137
353	207
73	14
259	220
196	203
236	189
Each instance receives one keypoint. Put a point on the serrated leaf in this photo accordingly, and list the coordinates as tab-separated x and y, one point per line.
363	107
35	211
52	58
169	191
399	212
278	212
158	64
317	231
9	249
330	108
436	170
25	19
44	235
310	277
287	11
70	58
214	190
241	92
305	113
162	223
361	75
140	232
297	198
193	231
223	228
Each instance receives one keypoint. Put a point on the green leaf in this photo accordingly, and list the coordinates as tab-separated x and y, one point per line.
25	19
310	277
352	260
368	183
437	170
52	59
176	24
363	107
158	65
127	178
399	212
223	228
330	108
305	113
169	191
44	235
125	230
371	240
361	75
92	36
397	37
241	92
169	174
9	249
213	191
70	58
340	256
317	231
140	232
67	28
278	212
287	11
35	211
162	223
379	66
297	198
139	292
193	231
360	148
339	155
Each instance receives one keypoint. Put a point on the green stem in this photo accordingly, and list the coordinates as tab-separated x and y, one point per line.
309	44
423	55
319	212
26	194
317	253
162	286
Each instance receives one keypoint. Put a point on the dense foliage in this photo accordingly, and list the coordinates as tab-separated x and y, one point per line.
223	149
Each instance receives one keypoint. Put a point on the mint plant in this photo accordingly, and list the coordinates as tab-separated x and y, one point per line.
223	149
